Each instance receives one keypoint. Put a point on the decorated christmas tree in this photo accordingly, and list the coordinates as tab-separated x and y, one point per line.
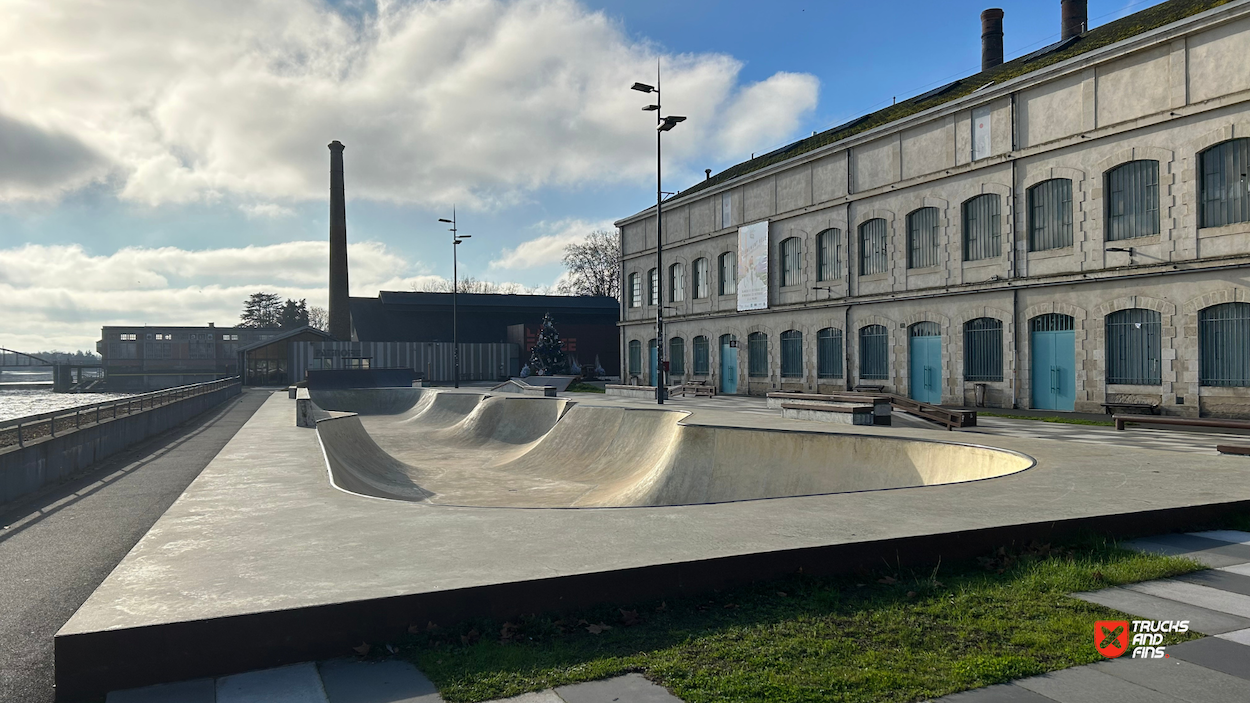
547	357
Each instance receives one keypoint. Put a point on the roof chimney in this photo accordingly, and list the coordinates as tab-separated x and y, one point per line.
340	322
991	38
1074	18
707	172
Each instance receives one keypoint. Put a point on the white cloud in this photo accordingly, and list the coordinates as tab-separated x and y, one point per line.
266	211
548	248
473	101
60	296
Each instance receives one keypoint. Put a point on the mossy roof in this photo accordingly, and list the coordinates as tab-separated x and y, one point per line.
1110	33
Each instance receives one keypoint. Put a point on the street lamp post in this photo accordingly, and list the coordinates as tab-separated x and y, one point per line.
456	238
662	125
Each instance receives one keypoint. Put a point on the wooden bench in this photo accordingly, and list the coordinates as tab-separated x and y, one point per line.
1234	449
869	389
1131	408
696	389
1122	420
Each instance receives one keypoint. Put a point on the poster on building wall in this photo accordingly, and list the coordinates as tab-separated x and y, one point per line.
980	132
753	266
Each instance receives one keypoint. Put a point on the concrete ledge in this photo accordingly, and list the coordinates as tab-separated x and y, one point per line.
843	413
514	385
644	392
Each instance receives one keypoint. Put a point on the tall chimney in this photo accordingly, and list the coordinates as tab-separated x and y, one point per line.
991	38
1074	16
340	313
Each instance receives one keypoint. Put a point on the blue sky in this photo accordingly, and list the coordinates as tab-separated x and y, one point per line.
144	148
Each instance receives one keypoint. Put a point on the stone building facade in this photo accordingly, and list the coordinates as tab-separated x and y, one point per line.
1117	223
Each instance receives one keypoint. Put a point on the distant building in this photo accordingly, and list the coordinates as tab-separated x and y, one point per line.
142	358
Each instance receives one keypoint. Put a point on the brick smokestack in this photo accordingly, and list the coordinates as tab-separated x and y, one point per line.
340	313
991	38
1074	16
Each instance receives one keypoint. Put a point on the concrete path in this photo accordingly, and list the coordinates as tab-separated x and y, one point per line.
57	546
349	681
1210	670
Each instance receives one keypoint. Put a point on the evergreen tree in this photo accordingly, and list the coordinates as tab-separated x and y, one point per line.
261	310
294	315
547	357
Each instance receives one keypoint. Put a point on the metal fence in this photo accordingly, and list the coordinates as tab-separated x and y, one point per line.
983	349
791	354
1050	215
433	361
872	247
1224	345
922	238
1226	183
757	354
1133	200
829	255
874	353
1134	347
982	227
829	353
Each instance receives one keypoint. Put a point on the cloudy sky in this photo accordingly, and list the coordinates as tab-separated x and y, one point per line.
160	160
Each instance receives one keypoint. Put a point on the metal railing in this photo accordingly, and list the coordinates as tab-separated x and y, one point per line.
20	431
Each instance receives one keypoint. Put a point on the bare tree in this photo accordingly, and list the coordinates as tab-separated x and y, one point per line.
318	317
594	266
468	284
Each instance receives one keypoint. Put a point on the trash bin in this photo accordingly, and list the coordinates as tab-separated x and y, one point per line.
979	392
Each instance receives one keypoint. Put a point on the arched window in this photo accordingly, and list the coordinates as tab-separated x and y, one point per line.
829	255
872	247
700	273
829	353
1225	185
982	227
653	287
677	356
791	262
1050	215
1133	200
635	357
791	353
757	354
874	352
922	238
728	273
676	283
701	362
1134	347
635	291
983	349
1224	345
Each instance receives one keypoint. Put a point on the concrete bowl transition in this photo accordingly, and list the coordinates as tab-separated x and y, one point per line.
480	450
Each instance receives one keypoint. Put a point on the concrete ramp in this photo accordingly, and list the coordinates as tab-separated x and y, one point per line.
479	450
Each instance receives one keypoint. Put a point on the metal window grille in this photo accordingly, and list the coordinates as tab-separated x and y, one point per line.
829	353
635	291
757	354
983	349
874	353
653	287
925	329
700	278
676	283
1226	183
829	255
1052	322
1133	200
728	273
982	227
635	357
1224	345
701	362
791	261
922	238
791	353
1050	215
872	247
1134	347
677	356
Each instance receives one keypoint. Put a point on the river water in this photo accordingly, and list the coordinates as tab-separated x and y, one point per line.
20	403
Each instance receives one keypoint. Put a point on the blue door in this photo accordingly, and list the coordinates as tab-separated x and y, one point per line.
1053	346
653	364
926	362
728	365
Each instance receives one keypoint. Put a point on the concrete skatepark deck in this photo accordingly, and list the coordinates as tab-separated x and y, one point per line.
263	561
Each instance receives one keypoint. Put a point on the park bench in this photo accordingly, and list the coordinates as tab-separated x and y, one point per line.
1234	449
696	388
1122	420
1131	408
846	414
869	389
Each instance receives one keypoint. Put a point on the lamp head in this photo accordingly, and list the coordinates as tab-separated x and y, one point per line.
651	108
670	122
444	220
642	88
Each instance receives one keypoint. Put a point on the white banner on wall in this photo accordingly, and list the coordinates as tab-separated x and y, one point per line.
753	266
981	144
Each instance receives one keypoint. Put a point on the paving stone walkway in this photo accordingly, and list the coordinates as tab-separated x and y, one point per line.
1209	670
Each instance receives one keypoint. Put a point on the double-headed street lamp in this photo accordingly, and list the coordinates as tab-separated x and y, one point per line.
662	125
456	238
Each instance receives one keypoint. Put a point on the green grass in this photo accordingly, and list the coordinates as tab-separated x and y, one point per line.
579	387
1051	418
885	636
